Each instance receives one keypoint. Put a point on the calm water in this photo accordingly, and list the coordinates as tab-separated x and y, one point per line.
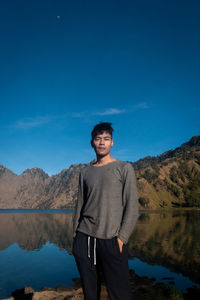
35	248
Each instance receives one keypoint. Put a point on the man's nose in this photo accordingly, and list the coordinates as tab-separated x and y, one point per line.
101	142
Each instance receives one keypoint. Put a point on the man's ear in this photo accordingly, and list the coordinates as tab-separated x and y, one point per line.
112	143
91	142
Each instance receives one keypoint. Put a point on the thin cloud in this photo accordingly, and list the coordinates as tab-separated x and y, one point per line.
38	121
110	111
29	123
142	105
78	114
107	112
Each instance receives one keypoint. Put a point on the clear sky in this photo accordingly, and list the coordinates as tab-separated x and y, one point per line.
66	65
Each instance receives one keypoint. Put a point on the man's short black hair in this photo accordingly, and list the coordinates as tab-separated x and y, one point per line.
100	128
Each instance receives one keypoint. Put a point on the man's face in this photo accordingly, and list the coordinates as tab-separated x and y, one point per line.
102	143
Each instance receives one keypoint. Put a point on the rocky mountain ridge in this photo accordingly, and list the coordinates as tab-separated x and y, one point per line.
171	179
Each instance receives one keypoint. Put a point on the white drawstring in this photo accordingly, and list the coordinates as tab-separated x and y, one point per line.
88	246
94	249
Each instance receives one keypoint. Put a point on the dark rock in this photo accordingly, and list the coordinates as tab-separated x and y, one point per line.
23	294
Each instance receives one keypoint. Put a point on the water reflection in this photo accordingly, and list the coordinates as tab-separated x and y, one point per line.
32	231
169	239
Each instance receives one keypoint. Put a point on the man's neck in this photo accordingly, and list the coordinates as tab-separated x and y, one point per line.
104	160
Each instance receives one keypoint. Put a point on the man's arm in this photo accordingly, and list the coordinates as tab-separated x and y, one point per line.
79	204
130	204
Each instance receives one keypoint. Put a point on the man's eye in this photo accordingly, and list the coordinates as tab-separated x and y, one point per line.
106	139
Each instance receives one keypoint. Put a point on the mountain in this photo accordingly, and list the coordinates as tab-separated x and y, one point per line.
171	179
36	189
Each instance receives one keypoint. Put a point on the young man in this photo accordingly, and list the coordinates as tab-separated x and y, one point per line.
106	212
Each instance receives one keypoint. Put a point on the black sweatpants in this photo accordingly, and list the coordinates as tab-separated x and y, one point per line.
95	256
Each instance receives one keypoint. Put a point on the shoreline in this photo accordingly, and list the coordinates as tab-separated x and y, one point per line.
142	288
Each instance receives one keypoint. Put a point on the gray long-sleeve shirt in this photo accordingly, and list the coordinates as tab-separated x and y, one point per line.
107	204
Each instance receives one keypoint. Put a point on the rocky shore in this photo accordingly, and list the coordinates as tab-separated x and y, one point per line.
143	288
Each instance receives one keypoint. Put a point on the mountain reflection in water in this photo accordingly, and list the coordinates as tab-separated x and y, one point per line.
36	248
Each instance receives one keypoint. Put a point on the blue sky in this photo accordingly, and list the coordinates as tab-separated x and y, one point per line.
67	65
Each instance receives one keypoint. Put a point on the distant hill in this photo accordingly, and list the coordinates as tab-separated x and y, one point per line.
171	179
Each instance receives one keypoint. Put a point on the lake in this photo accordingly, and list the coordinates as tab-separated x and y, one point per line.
36	248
